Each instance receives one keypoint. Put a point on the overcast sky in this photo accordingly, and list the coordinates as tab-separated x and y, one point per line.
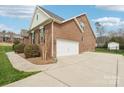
15	18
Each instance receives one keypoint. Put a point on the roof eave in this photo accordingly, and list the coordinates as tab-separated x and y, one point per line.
73	17
41	24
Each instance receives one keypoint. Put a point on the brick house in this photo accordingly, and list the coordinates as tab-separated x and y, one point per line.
61	37
25	36
9	37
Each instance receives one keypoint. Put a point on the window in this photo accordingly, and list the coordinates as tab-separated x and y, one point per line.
82	25
37	17
33	37
42	35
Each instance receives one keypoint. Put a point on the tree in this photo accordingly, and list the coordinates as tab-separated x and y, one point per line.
101	31
112	34
121	32
4	32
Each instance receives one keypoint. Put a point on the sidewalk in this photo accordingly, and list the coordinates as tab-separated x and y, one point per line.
38	80
23	64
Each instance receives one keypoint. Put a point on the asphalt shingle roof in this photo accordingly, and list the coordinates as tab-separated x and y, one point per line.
52	14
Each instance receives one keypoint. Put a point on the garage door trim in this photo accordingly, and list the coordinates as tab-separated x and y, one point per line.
65	47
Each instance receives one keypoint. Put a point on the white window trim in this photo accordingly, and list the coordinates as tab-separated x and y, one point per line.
32	34
78	24
41	28
82	25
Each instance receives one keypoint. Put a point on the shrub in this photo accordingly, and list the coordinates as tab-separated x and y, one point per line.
31	51
15	42
105	45
35	51
121	46
27	51
19	48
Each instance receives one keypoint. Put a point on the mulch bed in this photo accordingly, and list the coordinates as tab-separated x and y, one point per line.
37	60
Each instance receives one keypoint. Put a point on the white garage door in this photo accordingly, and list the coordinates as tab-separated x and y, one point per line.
67	47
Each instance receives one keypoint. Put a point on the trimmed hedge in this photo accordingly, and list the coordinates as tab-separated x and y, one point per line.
31	51
19	48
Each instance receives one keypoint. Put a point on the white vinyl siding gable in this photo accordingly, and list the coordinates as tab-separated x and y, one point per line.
38	18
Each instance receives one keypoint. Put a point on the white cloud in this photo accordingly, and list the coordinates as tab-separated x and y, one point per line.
5	27
110	21
112	7
18	11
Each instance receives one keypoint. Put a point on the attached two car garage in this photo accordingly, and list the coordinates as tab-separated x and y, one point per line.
66	47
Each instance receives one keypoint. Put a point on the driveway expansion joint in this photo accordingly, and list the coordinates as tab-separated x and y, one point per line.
57	79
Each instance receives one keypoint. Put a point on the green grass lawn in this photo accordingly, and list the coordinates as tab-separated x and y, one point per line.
105	50
7	73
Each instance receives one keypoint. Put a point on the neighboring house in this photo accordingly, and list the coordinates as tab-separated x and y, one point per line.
113	46
1	37
9	37
25	36
5	36
58	37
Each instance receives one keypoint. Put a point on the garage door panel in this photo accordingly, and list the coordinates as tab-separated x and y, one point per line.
67	47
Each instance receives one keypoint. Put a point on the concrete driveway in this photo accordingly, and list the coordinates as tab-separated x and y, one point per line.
87	69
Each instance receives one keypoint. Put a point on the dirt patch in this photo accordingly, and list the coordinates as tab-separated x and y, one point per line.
37	60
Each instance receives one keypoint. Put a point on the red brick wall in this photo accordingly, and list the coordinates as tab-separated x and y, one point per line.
70	30
26	40
48	40
1	39
48	30
89	40
30	41
37	36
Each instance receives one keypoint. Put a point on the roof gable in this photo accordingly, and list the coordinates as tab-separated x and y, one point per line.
38	17
52	15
